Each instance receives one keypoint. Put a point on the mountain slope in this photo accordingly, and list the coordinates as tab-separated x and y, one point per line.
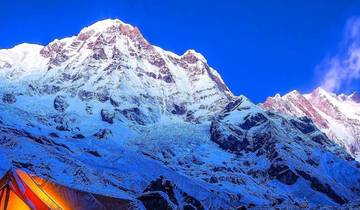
107	112
337	115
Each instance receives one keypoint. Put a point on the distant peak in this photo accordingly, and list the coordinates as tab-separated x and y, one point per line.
26	47
293	93
290	94
320	91
192	56
277	95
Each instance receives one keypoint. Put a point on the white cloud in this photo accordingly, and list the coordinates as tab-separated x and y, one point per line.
344	68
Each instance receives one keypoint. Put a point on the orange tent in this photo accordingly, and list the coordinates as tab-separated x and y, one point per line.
21	191
15	193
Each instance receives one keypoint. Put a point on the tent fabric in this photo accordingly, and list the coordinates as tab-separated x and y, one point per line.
16	192
21	191
14	202
69	198
80	200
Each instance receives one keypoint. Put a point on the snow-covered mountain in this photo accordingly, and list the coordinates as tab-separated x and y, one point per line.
107	112
336	115
110	61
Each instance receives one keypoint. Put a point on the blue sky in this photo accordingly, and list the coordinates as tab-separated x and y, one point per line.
259	47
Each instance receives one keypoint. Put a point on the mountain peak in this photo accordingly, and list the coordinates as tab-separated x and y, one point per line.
23	47
319	91
277	95
192	56
293	93
327	110
103	25
111	27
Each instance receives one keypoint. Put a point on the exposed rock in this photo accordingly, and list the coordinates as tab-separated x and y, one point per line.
103	96
103	133
78	136
213	179
189	116
9	98
135	115
116	54
320	139
155	201
92	152
253	120
107	116
50	89
114	102
89	109
173	193
60	103
322	187
61	123
189	207
23	165
151	74
168	78
59	59
304	125
99	54
218	81
227	142
178	109
62	128
261	139
85	35
283	174
190	57
5	65
232	105
85	95
54	135
164	186
312	162
193	201
156	60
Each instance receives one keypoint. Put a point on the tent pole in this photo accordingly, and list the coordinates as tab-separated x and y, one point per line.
1	195
7	196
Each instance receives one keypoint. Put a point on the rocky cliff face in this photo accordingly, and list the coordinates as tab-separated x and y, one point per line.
336	115
107	112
